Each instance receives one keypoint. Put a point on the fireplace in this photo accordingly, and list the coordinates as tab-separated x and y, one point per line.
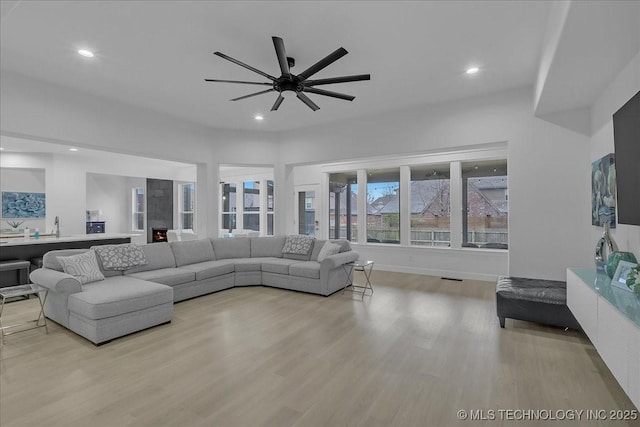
158	235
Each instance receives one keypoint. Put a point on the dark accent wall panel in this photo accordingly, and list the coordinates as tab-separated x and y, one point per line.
159	205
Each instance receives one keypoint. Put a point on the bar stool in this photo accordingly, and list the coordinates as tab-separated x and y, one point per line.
36	263
17	264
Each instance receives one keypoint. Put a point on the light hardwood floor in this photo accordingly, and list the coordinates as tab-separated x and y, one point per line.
414	354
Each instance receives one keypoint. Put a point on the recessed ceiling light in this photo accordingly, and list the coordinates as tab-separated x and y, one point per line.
1	148
259	117
86	53
73	149
472	70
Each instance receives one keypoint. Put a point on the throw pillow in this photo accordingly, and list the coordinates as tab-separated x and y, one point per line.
120	257
83	267
298	244
327	250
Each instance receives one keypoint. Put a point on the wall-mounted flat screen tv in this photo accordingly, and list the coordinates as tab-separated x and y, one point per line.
626	137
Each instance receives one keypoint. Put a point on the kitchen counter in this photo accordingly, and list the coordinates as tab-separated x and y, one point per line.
8	240
29	248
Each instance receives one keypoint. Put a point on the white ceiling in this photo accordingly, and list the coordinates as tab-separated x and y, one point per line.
155	54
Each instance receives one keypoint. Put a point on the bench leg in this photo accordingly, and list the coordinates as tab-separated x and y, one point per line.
501	322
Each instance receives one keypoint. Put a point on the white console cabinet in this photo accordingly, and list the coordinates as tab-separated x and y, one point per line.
611	319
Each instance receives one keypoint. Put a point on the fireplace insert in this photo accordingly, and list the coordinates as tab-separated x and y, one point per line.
158	235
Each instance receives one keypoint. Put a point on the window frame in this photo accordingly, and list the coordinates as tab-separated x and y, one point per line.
181	211
134	206
454	159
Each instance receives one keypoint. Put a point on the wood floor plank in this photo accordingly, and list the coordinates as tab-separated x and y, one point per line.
413	354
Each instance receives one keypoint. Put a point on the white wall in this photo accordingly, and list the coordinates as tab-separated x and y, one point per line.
33	109
548	165
546	178
67	185
615	96
110	194
29	180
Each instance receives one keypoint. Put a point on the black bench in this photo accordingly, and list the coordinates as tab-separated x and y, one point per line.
534	300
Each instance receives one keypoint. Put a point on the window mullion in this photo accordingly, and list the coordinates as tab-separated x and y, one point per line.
405	205
457	206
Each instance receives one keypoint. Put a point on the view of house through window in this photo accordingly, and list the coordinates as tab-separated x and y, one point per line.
484	219
137	203
229	207
187	195
430	205
383	206
251	205
270	203
485	199
343	206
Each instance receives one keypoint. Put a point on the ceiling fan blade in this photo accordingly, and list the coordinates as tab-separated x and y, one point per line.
332	80
279	100
238	81
304	98
282	56
329	93
253	94
326	61
242	64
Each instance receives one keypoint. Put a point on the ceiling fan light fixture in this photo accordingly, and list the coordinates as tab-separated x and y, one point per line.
472	70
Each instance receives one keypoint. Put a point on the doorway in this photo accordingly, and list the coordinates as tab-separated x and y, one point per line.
307	210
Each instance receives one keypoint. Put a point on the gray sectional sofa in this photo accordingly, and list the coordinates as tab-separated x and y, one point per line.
140	297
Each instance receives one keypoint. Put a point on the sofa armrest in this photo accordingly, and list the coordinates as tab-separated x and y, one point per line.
334	261
56	281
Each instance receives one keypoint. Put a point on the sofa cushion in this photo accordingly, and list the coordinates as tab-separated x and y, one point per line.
310	269
118	295
327	250
166	276
232	248
207	269
120	257
267	246
277	265
159	255
345	245
192	251
317	246
83	267
249	264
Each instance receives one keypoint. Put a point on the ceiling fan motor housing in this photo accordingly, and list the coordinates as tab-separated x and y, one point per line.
292	83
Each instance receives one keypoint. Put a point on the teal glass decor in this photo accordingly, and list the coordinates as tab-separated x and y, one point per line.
615	258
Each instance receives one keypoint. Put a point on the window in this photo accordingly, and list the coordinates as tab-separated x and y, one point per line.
187	196
383	206
137	204
343	206
251	206
229	206
270	203
485	200
430	205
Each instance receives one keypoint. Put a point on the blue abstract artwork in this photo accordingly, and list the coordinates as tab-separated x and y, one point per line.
23	205
603	191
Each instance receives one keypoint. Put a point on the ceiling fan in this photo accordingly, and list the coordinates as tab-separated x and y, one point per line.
298	84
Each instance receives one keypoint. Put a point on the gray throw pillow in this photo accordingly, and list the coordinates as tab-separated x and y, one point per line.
120	257
327	250
298	245
83	267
